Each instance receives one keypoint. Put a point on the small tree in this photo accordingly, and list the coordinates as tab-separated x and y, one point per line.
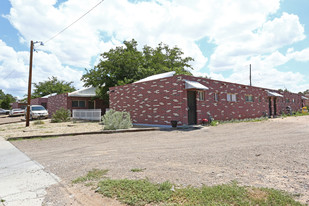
61	115
113	120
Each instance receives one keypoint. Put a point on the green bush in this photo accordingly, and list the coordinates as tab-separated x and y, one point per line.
61	115
113	120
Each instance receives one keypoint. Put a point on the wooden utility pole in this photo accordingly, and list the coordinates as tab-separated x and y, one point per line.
250	76
29	85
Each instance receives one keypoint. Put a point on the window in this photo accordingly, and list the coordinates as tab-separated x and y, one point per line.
77	103
249	98
287	100
231	97
201	95
216	97
74	103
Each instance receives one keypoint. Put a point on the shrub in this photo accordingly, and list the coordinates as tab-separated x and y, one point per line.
61	115
113	120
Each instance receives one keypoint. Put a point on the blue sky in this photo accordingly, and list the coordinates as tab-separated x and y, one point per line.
223	36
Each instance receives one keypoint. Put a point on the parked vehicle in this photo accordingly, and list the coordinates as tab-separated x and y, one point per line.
4	111
17	112
37	112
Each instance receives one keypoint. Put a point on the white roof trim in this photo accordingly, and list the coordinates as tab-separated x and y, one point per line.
305	98
273	94
194	85
157	76
85	92
49	95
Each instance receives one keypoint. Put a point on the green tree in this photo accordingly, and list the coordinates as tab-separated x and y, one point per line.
52	85
125	64
6	100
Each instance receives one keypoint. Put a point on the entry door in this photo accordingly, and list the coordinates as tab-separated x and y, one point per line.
191	95
270	110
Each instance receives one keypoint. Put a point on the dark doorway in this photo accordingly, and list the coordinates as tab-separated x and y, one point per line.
270	110
90	104
275	106
191	95
44	105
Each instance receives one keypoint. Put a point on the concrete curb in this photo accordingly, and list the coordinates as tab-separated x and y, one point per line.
86	133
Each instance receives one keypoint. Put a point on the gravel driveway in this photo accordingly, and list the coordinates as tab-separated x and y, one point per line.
273	153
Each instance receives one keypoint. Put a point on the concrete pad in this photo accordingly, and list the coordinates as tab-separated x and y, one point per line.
22	181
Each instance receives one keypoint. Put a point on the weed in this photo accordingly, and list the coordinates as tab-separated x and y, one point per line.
143	192
37	122
94	174
2	200
137	170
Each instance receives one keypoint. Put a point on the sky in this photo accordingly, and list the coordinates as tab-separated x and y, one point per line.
223	36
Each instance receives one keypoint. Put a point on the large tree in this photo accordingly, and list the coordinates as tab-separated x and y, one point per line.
52	85
125	64
6	100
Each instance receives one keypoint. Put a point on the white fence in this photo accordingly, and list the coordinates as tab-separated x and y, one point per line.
87	114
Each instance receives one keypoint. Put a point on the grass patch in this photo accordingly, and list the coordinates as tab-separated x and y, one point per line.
94	174
240	120
38	122
32	138
2	200
142	192
138	170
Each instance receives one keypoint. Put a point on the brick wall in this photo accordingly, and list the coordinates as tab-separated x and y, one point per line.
40	101
56	102
16	105
163	100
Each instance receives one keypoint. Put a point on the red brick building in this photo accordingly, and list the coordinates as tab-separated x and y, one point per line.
187	99
81	99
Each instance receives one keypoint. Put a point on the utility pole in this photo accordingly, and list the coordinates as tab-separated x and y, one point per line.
250	76
29	85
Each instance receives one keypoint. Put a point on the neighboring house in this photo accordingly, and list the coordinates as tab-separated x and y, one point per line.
306	100
19	104
81	99
159	99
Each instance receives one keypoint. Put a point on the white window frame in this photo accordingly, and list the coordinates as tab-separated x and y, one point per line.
201	95
231	97
248	99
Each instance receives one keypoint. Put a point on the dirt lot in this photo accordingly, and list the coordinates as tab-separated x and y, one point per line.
273	153
5	119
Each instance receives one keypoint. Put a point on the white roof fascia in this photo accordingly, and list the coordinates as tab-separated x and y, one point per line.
305	98
273	94
49	95
194	85
85	92
157	76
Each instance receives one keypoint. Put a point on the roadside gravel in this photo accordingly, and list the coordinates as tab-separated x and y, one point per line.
271	153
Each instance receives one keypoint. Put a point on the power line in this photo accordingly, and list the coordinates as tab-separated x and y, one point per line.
73	22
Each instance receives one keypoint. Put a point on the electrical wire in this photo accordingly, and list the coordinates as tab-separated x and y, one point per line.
73	23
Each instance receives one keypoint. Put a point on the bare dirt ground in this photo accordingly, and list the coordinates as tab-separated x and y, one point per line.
47	128
273	153
4	119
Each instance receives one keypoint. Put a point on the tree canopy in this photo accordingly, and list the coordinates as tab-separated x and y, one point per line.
5	100
125	64
52	85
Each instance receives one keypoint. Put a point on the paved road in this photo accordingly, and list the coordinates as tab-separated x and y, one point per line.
23	182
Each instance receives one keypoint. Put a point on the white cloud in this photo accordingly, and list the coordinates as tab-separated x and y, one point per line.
241	30
14	68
